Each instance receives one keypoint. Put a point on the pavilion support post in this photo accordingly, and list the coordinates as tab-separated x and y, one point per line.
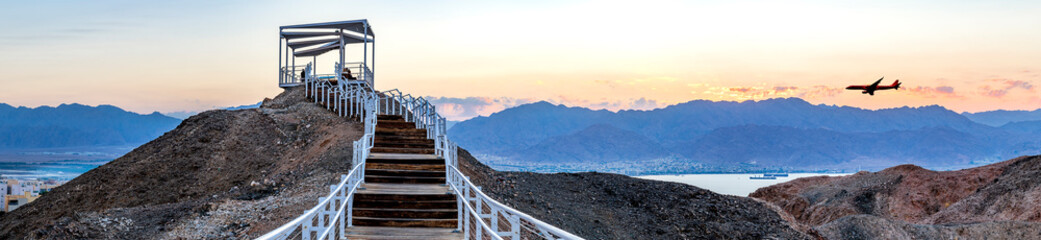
373	62
365	54
287	51
280	75
343	44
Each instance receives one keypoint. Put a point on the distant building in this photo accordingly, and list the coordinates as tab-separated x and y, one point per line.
17	193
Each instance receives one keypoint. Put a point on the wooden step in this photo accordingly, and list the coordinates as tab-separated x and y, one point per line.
389	166
388	116
406	213
439	204
403	156
403	145
406	161
406	222
400	132
403	139
402	150
394	233
397	124
377	189
439	196
403	179
414	173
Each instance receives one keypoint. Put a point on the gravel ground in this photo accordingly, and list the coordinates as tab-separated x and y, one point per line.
613	206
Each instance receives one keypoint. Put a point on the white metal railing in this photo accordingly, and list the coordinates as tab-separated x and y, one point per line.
358	72
480	216
496	219
289	75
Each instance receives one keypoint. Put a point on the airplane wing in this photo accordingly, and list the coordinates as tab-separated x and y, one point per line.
875	85
856	87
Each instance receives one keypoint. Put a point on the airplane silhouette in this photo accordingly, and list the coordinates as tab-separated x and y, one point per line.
870	89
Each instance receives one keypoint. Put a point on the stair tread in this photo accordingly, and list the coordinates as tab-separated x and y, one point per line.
403	156
400	233
411	189
403	219
404	171
405	166
406	177
409	209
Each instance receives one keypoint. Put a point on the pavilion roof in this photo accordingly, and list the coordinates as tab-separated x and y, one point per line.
317	38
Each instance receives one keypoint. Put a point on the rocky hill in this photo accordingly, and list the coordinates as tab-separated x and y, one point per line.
220	174
907	200
612	206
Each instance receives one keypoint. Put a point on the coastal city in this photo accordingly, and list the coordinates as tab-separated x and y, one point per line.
16	192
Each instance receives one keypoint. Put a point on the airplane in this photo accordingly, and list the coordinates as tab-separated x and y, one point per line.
870	89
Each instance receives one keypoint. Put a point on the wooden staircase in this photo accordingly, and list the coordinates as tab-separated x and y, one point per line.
404	195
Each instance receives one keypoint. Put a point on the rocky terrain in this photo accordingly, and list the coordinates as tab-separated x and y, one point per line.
998	200
220	174
612	206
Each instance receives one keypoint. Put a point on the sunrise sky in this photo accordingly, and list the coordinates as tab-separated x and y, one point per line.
478	57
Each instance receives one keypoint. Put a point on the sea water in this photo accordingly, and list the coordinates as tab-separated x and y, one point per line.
731	184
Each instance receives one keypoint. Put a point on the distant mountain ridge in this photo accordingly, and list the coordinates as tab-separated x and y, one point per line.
78	125
998	118
781	132
186	114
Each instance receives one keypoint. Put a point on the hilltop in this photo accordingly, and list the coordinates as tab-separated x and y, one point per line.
220	174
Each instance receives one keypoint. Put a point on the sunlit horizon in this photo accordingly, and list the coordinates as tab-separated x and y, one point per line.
188	56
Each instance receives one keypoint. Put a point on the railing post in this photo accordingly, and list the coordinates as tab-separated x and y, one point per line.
305	228
514	227
495	219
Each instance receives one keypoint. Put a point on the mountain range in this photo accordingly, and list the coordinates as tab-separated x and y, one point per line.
998	118
76	125
787	133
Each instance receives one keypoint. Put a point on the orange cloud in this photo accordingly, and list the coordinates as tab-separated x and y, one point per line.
741	89
819	91
746	93
932	92
999	87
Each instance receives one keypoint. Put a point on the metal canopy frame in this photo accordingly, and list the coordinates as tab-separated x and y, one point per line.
315	39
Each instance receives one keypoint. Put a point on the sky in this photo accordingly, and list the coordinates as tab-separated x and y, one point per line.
478	57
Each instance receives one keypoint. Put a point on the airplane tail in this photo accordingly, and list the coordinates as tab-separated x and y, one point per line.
896	85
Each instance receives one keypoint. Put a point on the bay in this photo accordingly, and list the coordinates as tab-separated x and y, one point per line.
737	184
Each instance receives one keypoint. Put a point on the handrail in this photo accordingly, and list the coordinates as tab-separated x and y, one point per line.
542	229
285	230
